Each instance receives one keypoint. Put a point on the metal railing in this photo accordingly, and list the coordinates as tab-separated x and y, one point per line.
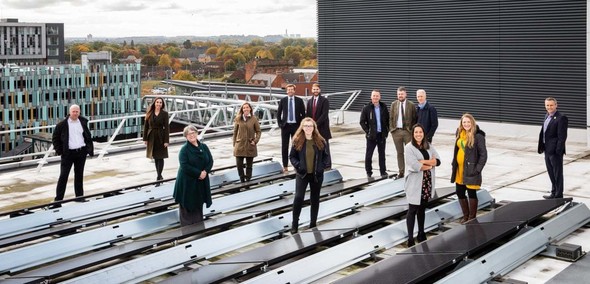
214	112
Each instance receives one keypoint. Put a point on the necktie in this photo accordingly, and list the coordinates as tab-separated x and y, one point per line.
313	108
402	115
291	115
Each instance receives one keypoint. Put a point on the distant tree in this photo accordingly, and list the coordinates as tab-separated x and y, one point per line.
184	75
97	45
165	61
144	49
257	42
277	51
124	43
132	44
186	63
229	65
173	51
211	50
287	42
187	44
149	60
295	57
264	54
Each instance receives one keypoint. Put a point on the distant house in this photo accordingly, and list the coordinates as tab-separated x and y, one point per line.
265	80
267	66
95	58
206	58
130	59
192	54
214	67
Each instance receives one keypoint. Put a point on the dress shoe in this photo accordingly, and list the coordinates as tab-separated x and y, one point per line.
410	242
54	206
293	231
548	196
421	237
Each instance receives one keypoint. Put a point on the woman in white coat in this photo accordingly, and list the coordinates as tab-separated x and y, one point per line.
421	159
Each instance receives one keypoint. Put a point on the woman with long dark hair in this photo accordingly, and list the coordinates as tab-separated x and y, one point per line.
309	158
156	134
421	159
246	136
469	158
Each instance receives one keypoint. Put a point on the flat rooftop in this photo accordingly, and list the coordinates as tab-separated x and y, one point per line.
514	172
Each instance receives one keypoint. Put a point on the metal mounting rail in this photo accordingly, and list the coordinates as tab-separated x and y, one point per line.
43	219
522	248
26	257
270	254
171	259
121	251
335	258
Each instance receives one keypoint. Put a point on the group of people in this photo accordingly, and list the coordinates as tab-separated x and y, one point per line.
307	129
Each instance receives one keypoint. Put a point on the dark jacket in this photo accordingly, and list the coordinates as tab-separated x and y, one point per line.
61	137
428	117
283	111
156	131
189	191
320	161
555	135
369	123
475	160
322	118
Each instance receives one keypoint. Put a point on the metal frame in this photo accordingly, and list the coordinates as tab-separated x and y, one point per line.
522	248
143	268
323	263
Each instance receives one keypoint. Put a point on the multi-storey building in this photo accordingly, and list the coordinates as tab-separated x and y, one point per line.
31	43
41	95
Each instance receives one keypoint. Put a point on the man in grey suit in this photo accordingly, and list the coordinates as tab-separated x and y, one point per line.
401	119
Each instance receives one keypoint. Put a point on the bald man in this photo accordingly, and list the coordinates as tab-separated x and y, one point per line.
72	141
426	115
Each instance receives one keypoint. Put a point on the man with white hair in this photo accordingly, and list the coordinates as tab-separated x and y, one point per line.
73	142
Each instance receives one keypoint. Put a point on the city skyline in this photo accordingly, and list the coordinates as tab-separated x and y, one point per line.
116	18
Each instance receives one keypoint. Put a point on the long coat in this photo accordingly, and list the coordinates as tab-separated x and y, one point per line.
413	176
475	159
322	118
156	131
244	133
189	191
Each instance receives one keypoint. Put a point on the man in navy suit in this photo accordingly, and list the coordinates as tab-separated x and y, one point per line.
290	113
318	108
552	143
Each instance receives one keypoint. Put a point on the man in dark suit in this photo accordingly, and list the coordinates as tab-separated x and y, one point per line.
318	108
552	143
402	116
72	141
375	122
290	113
426	115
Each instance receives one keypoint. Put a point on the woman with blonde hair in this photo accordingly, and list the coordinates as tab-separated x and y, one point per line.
469	158
309	159
246	136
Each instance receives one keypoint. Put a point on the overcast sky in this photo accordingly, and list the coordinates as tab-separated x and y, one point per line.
120	18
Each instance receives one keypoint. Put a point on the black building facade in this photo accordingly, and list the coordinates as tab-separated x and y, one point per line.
498	59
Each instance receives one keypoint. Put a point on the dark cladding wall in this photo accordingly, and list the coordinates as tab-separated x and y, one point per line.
495	59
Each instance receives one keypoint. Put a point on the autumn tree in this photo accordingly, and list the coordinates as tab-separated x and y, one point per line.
229	65
184	76
165	61
187	44
149	60
211	50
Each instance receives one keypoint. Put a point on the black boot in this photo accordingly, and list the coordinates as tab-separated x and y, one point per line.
421	237
410	242
294	227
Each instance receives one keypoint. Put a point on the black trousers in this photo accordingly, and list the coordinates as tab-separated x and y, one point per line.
244	176
554	165
77	159
300	185
189	218
371	144
287	133
416	212
460	190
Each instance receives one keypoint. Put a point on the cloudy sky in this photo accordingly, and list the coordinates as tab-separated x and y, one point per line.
119	18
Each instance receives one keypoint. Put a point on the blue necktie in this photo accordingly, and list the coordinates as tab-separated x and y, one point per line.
291	114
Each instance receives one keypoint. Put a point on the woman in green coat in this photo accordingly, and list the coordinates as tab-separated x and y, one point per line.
246	136
192	188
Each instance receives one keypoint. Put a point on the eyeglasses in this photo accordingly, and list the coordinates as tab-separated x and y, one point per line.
191	133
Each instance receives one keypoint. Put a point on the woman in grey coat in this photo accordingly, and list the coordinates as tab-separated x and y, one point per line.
421	159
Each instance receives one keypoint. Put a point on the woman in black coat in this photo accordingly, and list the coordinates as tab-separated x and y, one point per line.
469	158
309	158
156	134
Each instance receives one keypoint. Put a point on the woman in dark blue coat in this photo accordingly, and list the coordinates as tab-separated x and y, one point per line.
309	158
192	188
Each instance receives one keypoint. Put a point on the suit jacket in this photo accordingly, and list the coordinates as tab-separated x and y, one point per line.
321	118
61	137
368	121
428	117
555	135
283	111
409	115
